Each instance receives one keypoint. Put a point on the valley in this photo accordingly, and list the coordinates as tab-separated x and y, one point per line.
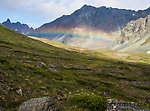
46	70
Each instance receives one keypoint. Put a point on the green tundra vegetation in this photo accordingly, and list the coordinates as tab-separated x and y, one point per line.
91	102
30	68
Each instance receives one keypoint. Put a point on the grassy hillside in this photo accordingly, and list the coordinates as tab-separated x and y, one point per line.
137	57
39	69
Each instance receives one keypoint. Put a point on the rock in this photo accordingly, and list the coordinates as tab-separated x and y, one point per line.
1	86
40	64
8	88
43	64
119	105
140	75
37	104
59	98
1	109
147	97
105	93
19	91
68	97
53	66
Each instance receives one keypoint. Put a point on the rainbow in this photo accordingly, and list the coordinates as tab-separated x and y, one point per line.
75	32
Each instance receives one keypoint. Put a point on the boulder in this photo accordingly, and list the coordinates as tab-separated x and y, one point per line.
119	105
37	104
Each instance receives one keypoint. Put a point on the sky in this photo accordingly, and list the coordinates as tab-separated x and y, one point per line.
37	12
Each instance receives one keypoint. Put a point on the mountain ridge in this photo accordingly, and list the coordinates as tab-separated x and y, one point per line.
87	27
88	23
19	27
87	8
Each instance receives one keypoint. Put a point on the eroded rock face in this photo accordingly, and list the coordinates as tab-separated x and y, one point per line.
37	104
136	29
135	36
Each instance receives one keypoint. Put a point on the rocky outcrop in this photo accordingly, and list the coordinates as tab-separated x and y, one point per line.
37	104
119	105
21	28
136	30
135	36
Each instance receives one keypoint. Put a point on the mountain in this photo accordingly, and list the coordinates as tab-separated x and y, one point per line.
21	28
135	36
89	27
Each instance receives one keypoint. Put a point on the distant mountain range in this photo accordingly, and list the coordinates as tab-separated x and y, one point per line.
89	27
94	28
21	28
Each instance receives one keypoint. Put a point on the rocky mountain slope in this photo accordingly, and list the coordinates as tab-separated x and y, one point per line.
102	18
21	28
28	70
135	36
89	26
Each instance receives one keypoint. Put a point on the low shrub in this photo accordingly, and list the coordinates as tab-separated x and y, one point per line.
91	102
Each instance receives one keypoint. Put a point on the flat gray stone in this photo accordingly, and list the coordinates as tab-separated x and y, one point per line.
119	105
37	104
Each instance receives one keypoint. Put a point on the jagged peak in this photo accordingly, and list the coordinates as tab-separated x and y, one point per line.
18	26
18	23
8	20
87	6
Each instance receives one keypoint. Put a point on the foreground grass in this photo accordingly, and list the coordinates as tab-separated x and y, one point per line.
40	70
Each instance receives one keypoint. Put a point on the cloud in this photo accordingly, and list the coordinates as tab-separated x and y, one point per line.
52	8
9	4
108	3
55	8
134	4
